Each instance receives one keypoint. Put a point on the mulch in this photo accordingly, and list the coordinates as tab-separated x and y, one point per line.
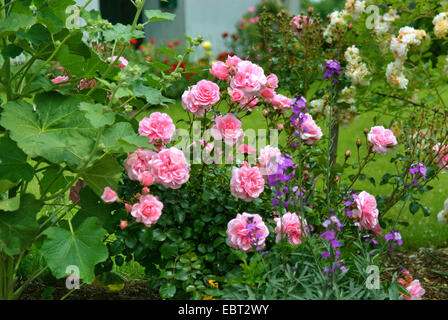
429	266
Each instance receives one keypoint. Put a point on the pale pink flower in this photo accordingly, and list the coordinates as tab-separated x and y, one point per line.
381	139
247	183
310	132
250	78
441	152
366	212
272	81
281	102
170	168
290	226
251	9
268	160
199	98
235	94
145	178
251	104
246	231
61	79
232	63
109	195
159	128
138	162
415	290
148	210
219	70
123	62
268	94
228	128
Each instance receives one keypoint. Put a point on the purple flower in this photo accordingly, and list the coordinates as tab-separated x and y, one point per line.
328	235
325	254
335	243
332	70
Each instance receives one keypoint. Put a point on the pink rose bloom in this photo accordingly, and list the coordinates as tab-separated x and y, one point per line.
227	127
415	290
272	81
281	102
366	212
268	94
247	230
74	191
381	139
441	158
138	162
252	103
232	61
247	183
268	160
219	70
251	9
109	195
246	149
122	60
310	132
199	98
148	210
235	94
61	79
159	128
170	168
290	226
146	178
250	78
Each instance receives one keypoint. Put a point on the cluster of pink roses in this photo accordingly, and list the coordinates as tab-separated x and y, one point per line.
247	82
300	22
248	230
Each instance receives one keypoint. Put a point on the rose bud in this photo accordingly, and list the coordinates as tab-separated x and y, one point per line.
310	10
348	153
280	127
123	224
128	207
145	190
358	143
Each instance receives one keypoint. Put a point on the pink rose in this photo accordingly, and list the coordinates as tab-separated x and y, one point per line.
441	152
268	94
415	290
247	230
232	61
199	98
268	160
272	81
122	60
170	168
148	210
310	132
138	162
246	149
366	212
281	102
145	178
61	79
290	226
227	127
252	103
109	195
159	128
235	94
250	78
247	183
381	139
74	191
219	70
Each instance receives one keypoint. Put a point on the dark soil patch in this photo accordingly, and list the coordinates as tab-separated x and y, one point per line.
429	266
131	291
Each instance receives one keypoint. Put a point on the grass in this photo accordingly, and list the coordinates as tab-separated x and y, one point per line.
422	231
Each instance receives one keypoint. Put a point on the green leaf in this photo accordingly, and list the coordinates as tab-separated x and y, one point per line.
72	62
11	51
181	275
122	32
122	138
167	290
53	181
153	96
16	21
168	249
56	131
105	172
18	228
13	164
82	247
157	15
413	207
159	235
97	114
11	204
